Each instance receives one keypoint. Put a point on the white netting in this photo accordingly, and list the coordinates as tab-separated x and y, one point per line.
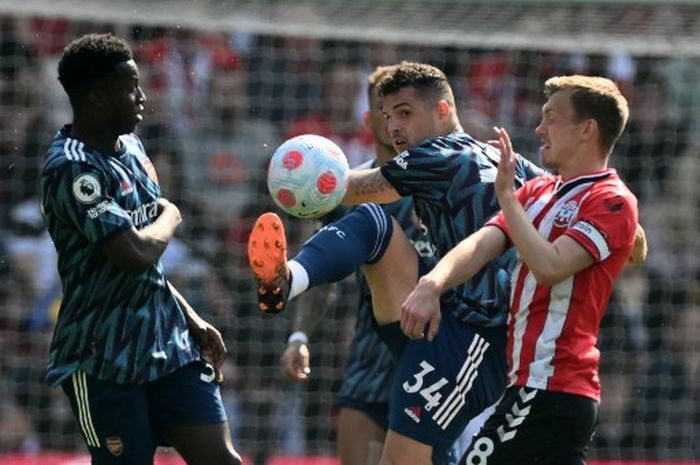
228	81
647	27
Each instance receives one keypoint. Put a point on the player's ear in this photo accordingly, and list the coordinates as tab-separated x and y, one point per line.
589	129
443	108
365	118
96	97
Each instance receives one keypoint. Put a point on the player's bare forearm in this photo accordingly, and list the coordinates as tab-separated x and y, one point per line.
423	304
137	250
190	315
467	258
206	336
549	262
369	186
163	228
311	306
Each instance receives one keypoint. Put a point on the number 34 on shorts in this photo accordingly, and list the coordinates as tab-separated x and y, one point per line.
431	393
443	411
442	384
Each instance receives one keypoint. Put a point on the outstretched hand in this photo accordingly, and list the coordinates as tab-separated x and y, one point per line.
421	307
294	362
505	180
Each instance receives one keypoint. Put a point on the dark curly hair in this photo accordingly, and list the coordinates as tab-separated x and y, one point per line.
89	58
428	80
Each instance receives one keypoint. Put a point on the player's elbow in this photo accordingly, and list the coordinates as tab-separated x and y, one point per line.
547	276
132	260
132	264
545	281
132	252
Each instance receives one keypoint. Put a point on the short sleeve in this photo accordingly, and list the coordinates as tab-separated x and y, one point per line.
606	223
422	171
81	195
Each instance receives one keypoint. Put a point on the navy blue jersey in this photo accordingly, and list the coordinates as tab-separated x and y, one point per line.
451	180
370	365
116	326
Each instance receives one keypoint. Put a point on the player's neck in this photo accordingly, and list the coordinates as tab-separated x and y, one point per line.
585	166
93	134
453	127
384	154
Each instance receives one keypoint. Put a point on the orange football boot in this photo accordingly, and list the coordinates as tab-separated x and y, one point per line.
267	255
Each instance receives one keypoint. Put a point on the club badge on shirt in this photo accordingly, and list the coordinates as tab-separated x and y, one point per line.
150	170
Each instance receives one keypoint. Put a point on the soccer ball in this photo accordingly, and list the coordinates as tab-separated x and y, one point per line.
307	176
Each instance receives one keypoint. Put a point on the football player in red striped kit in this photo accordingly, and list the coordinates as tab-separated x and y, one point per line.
574	232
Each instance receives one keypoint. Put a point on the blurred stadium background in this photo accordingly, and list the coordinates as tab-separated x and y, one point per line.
227	81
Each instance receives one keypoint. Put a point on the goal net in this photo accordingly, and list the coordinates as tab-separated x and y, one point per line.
228	81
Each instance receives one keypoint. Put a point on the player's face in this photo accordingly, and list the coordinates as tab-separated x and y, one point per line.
125	98
377	121
411	118
559	131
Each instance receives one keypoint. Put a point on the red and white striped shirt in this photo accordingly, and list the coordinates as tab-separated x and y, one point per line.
552	330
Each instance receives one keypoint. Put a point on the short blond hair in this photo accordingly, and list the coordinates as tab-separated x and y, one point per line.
597	98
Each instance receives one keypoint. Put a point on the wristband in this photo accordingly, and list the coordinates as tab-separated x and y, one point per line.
298	336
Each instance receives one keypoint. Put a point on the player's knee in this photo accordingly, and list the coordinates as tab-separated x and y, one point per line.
230	457
381	225
392	456
216	456
235	459
390	460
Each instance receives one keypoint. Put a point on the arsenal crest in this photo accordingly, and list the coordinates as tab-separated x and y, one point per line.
150	170
114	445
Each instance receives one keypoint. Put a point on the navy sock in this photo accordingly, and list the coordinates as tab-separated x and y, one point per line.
338	250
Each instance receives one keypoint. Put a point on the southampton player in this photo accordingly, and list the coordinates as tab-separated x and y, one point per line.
574	233
132	356
438	385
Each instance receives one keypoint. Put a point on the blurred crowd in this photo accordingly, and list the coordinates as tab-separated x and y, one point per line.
218	105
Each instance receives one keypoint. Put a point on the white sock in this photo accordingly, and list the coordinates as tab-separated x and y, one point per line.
300	279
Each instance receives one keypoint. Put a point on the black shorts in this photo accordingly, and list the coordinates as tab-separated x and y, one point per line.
124	423
534	427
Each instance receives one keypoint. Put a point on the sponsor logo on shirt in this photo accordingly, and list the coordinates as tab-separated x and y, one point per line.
584	227
144	214
614	205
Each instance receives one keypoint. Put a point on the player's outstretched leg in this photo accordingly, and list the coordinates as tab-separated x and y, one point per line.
267	255
336	251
